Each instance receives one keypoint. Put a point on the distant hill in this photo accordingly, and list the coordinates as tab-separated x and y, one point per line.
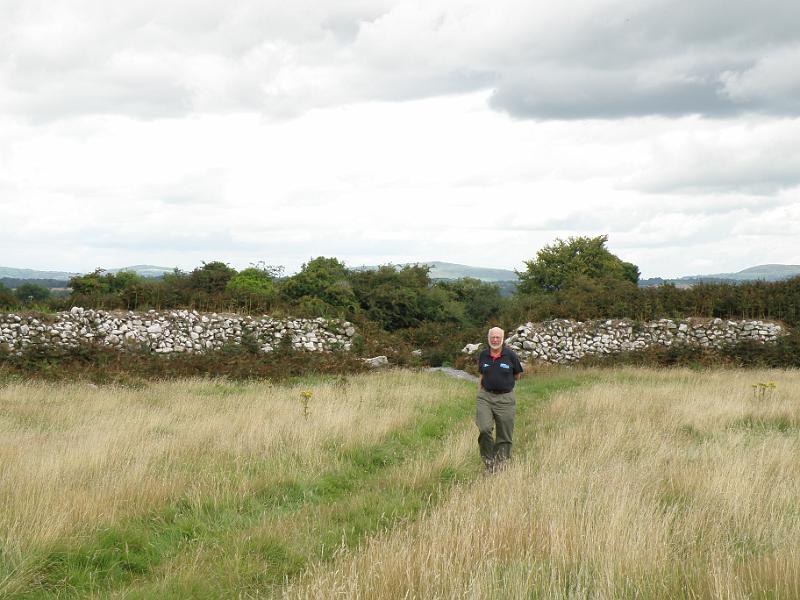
145	270
768	272
445	270
439	270
757	273
12	273
12	277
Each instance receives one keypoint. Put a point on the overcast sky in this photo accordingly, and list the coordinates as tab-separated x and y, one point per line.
173	132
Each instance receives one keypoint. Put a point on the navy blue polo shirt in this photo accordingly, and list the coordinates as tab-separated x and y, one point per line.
498	374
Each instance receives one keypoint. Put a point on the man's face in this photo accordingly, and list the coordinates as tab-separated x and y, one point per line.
495	340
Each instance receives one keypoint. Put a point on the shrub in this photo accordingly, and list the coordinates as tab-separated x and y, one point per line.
32	293
91	362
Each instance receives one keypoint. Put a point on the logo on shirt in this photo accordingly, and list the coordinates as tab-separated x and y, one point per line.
486	365
504	366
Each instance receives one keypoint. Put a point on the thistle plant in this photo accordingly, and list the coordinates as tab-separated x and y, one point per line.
763	390
305	401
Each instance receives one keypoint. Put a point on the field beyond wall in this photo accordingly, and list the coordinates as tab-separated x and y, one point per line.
625	484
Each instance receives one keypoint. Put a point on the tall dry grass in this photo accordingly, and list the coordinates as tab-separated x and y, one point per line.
650	484
73	456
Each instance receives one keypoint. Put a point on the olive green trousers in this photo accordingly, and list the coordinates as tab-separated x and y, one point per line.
495	411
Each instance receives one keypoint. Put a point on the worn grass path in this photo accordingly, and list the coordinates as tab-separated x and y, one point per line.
251	546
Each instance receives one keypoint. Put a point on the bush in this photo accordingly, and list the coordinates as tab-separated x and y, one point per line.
252	289
441	343
7	298
91	362
31	293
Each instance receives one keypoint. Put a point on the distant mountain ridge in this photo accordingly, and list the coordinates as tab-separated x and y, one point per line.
11	272
446	270
440	270
770	272
143	270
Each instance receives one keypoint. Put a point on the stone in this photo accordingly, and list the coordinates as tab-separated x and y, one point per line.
376	362
470	348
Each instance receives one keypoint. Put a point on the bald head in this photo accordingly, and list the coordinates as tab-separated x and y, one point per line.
496	336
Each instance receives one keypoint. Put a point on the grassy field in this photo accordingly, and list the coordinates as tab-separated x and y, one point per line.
625	484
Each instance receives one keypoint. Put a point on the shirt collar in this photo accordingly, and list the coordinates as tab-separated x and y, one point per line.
499	353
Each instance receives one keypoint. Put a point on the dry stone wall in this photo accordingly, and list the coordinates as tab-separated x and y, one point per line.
564	341
173	331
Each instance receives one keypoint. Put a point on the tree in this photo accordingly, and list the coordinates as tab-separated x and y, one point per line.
212	277
91	284
31	293
252	288
481	301
322	278
7	298
402	298
122	280
563	261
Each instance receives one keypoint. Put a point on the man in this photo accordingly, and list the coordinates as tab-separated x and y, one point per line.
500	369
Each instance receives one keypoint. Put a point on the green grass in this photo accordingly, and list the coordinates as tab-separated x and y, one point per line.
251	545
765	424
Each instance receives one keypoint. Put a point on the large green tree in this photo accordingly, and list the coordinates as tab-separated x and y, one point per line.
399	298
480	301
321	280
564	261
212	277
29	293
7	298
252	288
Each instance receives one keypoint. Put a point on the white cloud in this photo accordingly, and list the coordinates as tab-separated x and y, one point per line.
580	59
754	156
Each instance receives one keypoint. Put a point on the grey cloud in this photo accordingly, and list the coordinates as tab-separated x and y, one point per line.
603	59
651	222
206	187
582	94
711	178
666	58
653	235
209	242
148	61
761	160
600	59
